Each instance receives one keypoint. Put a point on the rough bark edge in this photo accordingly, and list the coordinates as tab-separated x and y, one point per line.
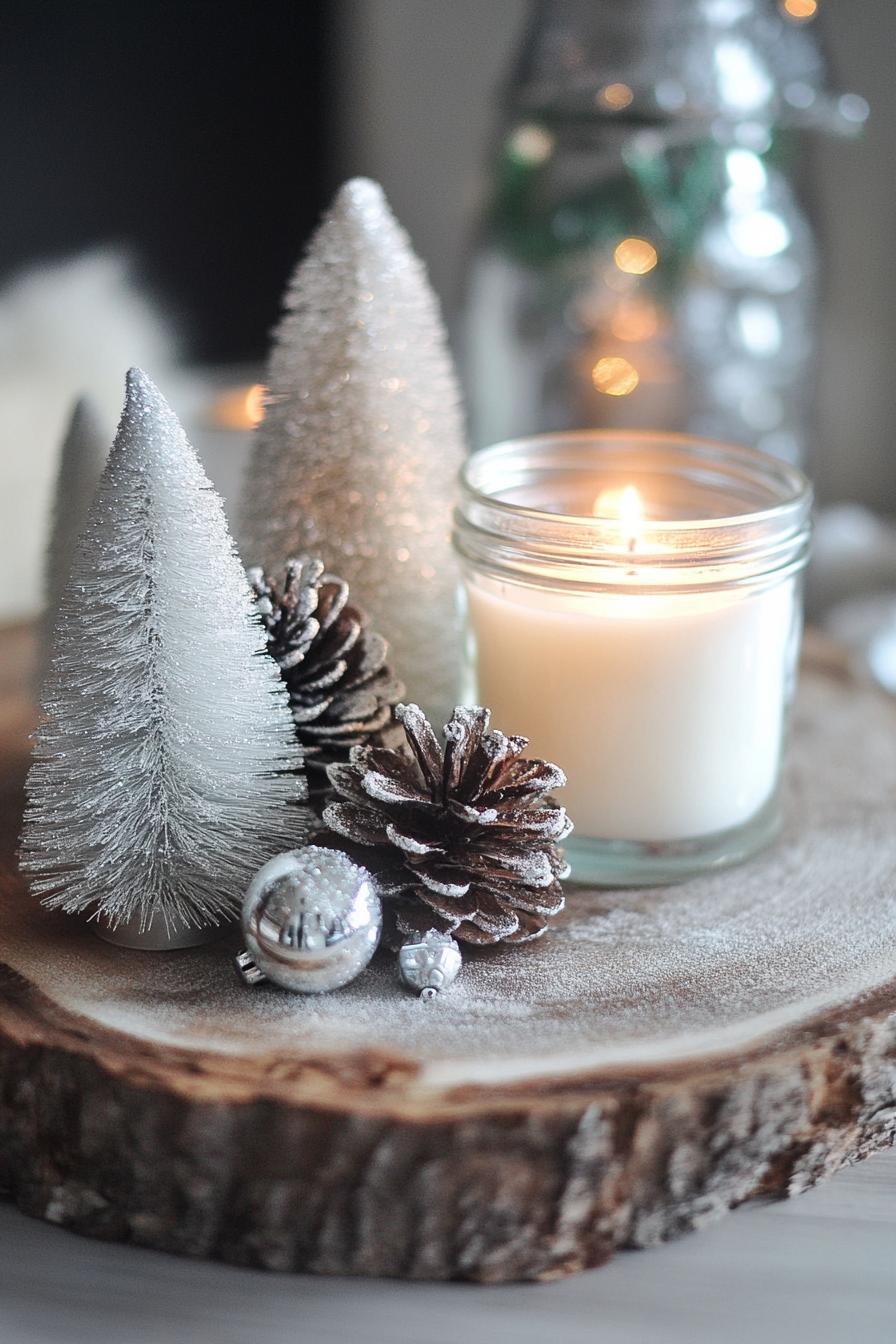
499	1191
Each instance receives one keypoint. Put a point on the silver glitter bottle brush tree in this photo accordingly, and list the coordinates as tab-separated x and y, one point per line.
362	439
165	768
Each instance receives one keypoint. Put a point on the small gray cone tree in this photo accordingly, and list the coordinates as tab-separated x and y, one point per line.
82	457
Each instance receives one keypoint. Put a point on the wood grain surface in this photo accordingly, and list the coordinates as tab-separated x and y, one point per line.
512	1135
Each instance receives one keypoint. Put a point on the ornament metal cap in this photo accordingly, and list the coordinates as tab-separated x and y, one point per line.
429	964
247	970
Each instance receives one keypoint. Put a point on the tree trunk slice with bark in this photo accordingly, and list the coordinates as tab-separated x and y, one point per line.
660	1057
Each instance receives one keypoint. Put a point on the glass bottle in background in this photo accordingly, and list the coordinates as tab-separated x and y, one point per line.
644	260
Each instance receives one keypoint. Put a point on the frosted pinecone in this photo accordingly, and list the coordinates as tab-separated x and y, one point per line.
341	691
467	839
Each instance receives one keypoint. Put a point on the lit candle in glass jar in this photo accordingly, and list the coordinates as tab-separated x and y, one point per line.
634	610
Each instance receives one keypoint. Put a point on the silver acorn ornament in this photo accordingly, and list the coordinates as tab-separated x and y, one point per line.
429	963
311	920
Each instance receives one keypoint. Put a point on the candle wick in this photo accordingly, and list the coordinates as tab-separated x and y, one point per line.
631	545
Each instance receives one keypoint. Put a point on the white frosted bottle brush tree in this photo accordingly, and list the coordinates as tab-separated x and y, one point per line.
166	769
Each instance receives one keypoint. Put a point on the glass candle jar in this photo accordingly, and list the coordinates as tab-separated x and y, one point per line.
634	609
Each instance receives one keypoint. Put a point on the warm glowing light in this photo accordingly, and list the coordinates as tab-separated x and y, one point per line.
800	9
615	96
635	256
615	376
254	403
625	505
240	407
636	320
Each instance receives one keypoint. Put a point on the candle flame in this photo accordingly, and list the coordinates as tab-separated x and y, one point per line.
624	505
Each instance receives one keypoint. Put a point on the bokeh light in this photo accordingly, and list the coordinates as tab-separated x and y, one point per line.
800	9
254	404
615	96
240	407
530	144
635	256
615	376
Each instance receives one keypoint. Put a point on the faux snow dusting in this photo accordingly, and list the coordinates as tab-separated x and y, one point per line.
625	978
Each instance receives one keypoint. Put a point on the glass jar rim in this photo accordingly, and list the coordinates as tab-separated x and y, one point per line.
750	514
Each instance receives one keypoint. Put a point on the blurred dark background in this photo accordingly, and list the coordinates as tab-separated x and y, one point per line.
197	133
170	160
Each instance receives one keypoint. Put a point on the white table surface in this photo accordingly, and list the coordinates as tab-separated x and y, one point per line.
820	1269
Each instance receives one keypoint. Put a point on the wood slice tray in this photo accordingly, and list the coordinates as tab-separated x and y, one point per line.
661	1057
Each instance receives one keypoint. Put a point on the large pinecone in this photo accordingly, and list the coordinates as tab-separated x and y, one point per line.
467	839
341	690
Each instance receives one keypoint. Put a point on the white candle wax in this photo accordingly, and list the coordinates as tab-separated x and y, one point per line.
665	711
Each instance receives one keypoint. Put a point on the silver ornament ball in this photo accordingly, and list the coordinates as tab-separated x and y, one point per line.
430	963
311	920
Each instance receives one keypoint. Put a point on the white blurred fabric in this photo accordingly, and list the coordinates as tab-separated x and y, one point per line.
66	328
